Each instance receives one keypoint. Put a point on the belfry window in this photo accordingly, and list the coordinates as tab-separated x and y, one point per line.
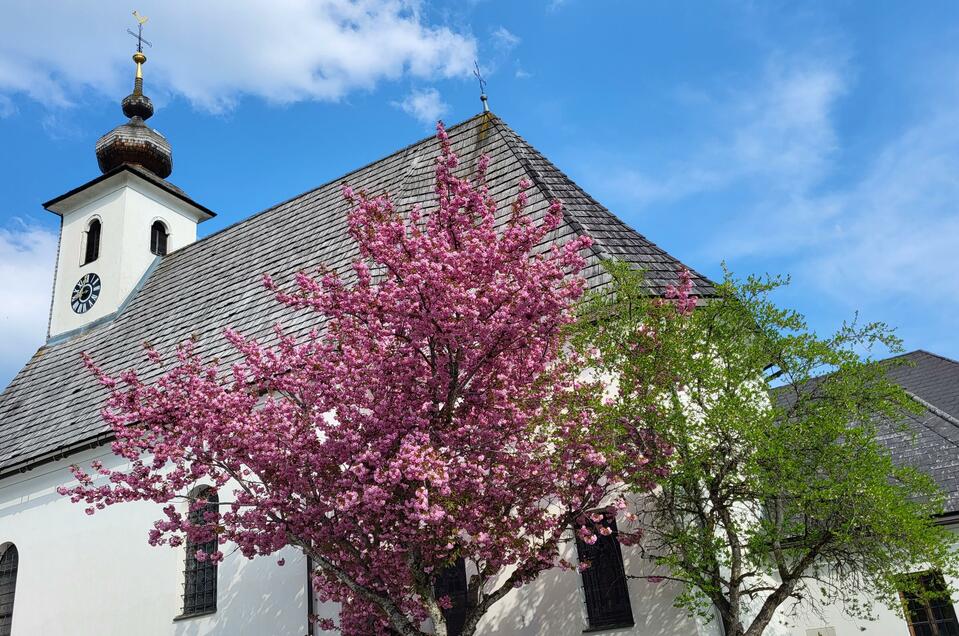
91	247
9	560
158	238
604	580
199	577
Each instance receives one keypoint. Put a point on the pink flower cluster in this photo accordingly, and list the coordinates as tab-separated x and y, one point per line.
681	294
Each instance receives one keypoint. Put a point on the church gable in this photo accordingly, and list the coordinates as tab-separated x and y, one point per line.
52	406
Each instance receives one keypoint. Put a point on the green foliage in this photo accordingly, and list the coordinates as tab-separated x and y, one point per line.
778	485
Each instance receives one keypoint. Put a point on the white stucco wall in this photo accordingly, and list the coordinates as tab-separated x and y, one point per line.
98	576
554	604
126	206
801	620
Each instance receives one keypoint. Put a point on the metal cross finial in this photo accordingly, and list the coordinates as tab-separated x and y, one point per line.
141	20
482	85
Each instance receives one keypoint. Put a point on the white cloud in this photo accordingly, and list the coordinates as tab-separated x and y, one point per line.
894	232
7	107
216	51
504	40
425	105
778	130
27	256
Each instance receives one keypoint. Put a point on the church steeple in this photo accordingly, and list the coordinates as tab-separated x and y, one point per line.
134	142
115	228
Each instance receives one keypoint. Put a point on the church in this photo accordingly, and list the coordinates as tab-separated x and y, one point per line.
130	270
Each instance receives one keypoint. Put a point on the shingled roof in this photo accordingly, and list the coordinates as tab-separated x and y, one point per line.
929	441
51	408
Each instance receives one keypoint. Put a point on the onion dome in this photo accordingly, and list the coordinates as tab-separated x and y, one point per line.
134	142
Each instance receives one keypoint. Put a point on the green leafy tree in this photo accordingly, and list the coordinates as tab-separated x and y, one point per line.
778	488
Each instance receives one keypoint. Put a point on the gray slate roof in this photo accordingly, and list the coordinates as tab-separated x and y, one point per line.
929	441
51	408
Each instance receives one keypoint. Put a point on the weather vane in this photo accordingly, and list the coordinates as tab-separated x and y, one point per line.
141	20
482	85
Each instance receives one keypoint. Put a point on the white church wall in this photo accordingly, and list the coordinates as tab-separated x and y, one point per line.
98	576
554	604
801	620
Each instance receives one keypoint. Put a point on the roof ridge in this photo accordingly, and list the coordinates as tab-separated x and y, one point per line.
937	355
935	410
578	226
580	191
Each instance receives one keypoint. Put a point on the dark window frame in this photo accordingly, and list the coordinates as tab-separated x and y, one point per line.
91	244
452	582
9	564
604	582
159	237
928	615
200	577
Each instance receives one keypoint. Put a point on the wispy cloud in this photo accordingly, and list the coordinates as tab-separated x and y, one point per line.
27	255
213	53
504	40
894	231
778	130
7	107
880	233
425	105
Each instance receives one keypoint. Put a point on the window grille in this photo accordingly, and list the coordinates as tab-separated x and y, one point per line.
452	582
9	561
199	580
930	612
91	251
158	237
604	581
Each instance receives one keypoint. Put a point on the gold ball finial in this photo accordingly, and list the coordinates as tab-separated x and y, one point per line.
139	58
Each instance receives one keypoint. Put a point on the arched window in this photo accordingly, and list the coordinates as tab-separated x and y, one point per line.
91	248
158	236
451	582
604	581
199	577
9	560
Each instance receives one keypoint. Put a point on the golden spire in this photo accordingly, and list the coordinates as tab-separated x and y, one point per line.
139	57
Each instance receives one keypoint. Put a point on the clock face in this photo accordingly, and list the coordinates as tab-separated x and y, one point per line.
85	293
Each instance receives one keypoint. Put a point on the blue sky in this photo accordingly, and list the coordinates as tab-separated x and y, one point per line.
816	139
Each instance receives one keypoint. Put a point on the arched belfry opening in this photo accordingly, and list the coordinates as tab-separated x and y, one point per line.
158	238
91	242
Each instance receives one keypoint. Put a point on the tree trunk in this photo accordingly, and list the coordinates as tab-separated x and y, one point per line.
732	625
768	609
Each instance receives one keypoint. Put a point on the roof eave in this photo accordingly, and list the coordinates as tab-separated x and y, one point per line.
203	212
